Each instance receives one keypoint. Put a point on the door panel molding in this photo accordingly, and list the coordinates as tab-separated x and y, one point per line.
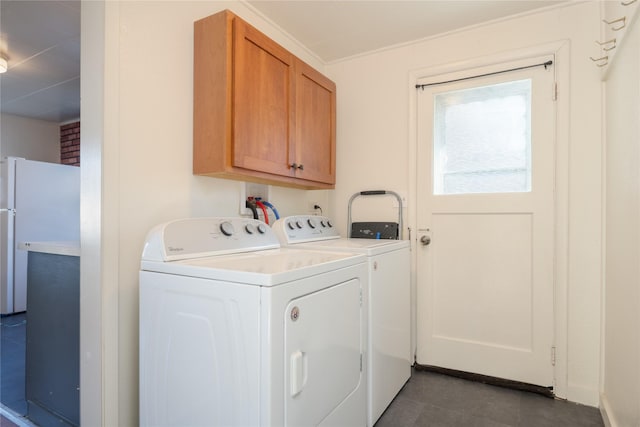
561	51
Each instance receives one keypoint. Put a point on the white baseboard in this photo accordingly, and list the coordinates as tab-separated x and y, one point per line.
605	411
583	395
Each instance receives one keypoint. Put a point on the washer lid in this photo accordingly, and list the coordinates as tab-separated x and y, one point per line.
370	247
261	268
319	233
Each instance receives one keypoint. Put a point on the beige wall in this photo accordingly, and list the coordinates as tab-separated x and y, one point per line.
621	391
137	149
376	146
29	138
137	139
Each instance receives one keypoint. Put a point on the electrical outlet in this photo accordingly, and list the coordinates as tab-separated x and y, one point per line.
314	208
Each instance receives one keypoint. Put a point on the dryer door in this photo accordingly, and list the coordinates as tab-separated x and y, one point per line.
323	341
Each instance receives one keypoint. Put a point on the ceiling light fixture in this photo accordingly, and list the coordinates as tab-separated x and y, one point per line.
3	65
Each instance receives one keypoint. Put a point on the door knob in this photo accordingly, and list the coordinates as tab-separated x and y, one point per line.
425	240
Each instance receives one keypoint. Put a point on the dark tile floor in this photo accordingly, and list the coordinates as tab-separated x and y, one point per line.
428	399
432	399
12	362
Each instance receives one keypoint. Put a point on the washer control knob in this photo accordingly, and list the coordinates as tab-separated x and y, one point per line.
298	223
291	225
311	223
329	224
249	229
227	228
262	228
322	223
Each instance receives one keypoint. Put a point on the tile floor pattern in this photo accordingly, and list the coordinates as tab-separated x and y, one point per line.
437	400
428	398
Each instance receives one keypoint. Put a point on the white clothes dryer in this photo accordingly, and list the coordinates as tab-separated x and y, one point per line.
236	331
389	310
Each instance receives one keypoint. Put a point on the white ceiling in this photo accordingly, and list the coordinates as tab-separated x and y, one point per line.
336	29
41	39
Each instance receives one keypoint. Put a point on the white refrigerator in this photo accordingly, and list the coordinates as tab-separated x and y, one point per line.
39	201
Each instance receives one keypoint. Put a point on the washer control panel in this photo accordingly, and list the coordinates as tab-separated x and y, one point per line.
305	228
200	237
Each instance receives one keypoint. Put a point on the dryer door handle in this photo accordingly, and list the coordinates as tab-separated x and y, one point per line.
297	372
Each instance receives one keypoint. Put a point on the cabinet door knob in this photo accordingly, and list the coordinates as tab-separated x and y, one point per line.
293	165
301	167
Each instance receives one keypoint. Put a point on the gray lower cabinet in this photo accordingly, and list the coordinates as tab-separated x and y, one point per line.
53	339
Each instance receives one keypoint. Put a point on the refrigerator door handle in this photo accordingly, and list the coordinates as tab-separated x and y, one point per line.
11	211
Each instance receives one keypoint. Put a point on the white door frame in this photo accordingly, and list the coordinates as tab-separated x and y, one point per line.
561	50
99	215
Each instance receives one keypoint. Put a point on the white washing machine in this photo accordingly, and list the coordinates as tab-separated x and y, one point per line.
236	331
389	351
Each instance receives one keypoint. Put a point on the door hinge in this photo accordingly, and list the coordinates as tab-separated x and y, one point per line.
555	91
360	362
553	355
360	297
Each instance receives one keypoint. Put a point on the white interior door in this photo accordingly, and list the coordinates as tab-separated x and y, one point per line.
486	202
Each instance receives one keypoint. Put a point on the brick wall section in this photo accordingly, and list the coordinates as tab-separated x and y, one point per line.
70	144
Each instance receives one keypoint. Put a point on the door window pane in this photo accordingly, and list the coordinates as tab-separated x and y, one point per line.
482	139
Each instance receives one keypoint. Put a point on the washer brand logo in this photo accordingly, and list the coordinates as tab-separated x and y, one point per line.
172	249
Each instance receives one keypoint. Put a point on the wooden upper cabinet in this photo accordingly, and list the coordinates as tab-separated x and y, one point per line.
314	148
260	113
262	101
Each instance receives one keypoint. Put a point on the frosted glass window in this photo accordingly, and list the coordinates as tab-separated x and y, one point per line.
482	139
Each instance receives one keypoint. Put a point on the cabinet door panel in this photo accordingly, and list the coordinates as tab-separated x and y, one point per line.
263	78
315	125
